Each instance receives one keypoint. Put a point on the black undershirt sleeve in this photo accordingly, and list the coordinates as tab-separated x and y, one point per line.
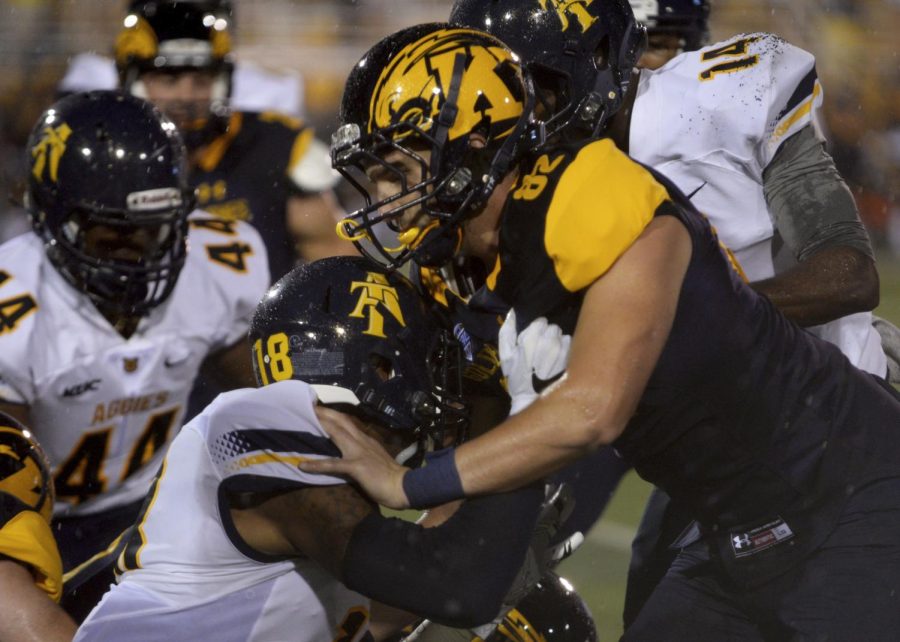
455	574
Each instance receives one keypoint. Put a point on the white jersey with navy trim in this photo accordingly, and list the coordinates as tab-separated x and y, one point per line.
190	576
103	407
711	121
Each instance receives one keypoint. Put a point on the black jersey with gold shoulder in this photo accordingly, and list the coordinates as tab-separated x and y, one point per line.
566	222
758	427
247	174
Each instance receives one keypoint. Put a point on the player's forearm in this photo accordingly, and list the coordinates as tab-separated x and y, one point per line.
555	430
622	327
457	573
27	614
832	283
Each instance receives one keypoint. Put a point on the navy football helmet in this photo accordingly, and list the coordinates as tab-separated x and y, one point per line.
430	88
172	36
24	469
106	166
363	337
580	53
687	19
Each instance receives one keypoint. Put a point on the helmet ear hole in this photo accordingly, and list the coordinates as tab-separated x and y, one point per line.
382	366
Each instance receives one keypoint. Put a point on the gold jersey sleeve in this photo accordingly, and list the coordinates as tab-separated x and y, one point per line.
602	204
26	538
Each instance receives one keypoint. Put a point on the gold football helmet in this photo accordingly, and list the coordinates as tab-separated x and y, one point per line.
24	469
427	92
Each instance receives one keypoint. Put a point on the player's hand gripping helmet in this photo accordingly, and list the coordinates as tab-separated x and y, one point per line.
363	338
686	19
424	94
24	469
172	36
551	612
580	52
108	195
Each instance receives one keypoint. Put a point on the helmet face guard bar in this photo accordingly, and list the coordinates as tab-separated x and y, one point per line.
129	288
452	410
608	81
434	193
350	150
442	414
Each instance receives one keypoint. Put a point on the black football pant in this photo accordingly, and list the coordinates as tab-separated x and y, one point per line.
653	551
847	590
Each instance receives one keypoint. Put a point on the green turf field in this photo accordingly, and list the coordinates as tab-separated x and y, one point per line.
598	568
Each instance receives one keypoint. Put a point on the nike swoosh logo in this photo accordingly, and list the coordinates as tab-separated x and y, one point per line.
540	385
694	193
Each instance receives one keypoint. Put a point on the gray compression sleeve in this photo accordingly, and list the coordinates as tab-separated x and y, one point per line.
811	206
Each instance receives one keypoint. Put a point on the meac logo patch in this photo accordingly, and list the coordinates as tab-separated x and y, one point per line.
376	293
567	9
48	152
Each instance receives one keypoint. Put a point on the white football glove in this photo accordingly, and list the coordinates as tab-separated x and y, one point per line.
531	360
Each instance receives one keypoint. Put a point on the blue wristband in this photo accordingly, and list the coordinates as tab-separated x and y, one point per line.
436	482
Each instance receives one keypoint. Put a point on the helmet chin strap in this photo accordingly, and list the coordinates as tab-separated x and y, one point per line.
448	112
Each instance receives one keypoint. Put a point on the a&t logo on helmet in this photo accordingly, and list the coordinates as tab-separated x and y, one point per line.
51	146
576	8
376	292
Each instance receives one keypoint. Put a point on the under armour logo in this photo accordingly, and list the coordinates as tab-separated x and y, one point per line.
575	8
376	292
740	542
49	151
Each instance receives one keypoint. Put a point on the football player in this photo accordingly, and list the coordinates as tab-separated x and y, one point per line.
112	304
236	542
30	568
629	326
737	126
673	27
261	167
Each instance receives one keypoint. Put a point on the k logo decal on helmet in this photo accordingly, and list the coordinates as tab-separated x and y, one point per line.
414	87
574	8
49	150
458	93
24	470
516	626
376	291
